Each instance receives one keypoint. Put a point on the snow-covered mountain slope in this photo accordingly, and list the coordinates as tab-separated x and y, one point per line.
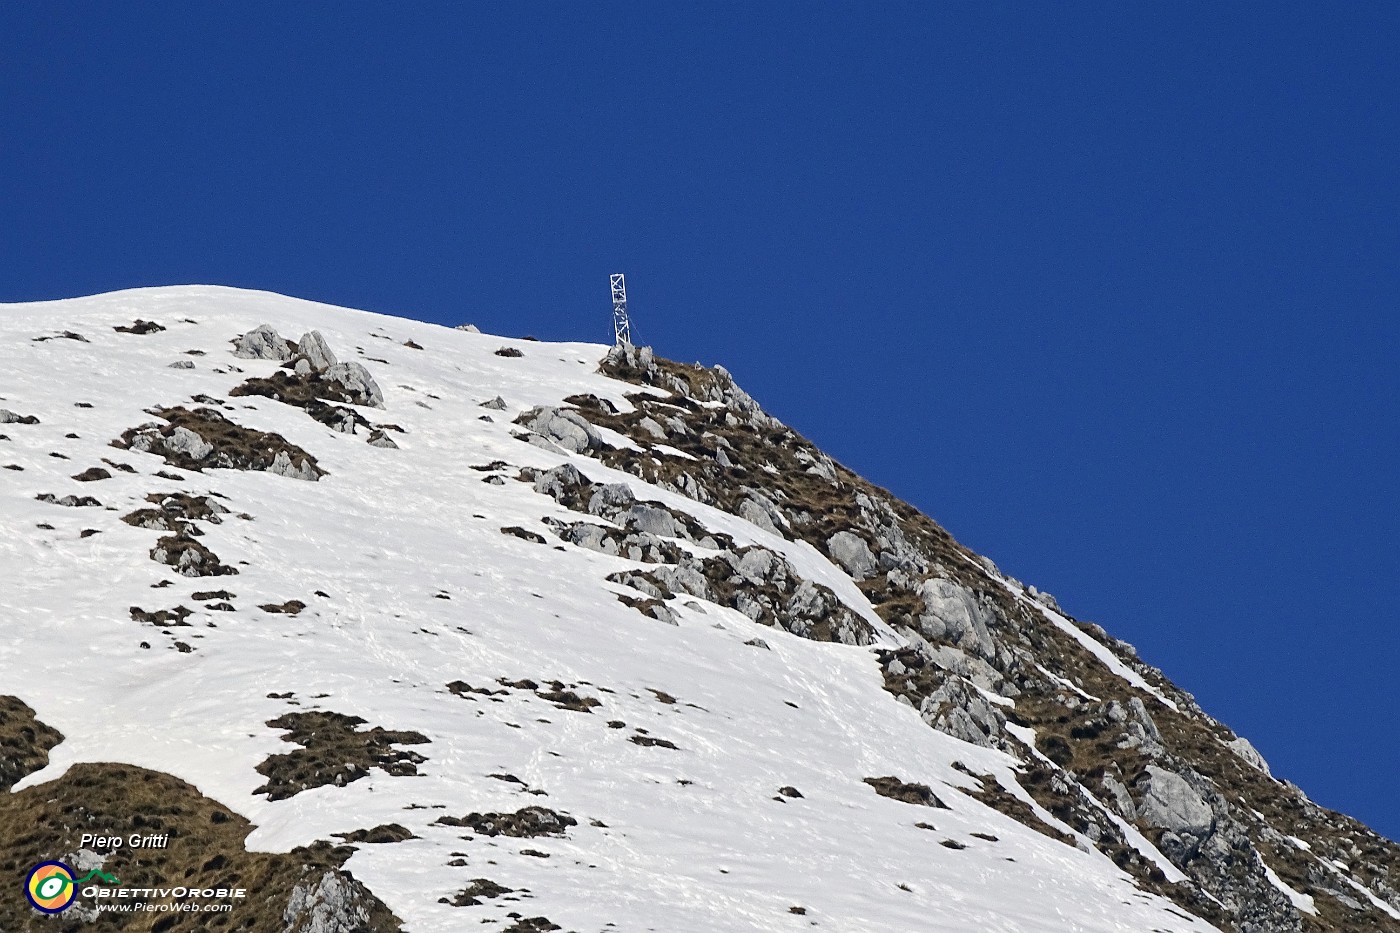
482	631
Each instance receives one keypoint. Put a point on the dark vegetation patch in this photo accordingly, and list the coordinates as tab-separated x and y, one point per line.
206	849
472	894
177	512
568	699
562	695
189	557
162	618
906	792
647	606
139	327
524	534
388	832
463	689
334	751
24	743
990	792
234	447
530	925
650	741
525	823
311	392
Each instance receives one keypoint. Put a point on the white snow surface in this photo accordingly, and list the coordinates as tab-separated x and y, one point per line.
382	535
1298	899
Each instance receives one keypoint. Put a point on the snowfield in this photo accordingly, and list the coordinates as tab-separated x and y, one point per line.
421	589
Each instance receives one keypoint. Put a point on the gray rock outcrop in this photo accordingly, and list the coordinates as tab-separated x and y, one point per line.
358	384
334	903
953	614
1171	803
10	417
282	466
567	429
316	352
1246	750
852	553
263	343
184	441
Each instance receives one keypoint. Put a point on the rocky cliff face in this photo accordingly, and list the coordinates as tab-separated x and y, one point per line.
741	687
1111	748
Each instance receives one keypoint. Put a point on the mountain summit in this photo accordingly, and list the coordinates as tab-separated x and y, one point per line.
323	621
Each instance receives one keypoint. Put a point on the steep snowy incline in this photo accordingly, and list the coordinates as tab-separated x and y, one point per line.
692	769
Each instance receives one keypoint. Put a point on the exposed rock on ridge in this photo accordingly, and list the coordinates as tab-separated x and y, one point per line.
987	662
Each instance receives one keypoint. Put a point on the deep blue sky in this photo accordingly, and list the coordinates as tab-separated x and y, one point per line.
1108	289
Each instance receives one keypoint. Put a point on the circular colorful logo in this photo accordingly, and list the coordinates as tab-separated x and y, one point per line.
50	887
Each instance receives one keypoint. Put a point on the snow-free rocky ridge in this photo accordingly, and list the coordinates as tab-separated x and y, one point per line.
399	626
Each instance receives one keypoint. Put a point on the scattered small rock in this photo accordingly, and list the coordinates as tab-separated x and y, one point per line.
471	895
524	823
139	327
